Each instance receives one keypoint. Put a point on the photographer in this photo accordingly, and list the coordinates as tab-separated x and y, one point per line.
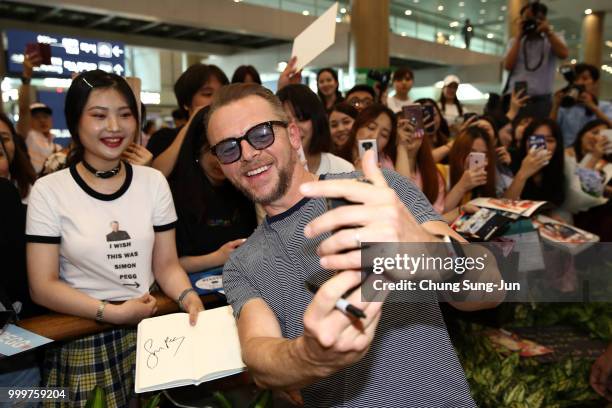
576	105
531	58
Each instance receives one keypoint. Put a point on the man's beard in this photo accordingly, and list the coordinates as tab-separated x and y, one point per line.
284	180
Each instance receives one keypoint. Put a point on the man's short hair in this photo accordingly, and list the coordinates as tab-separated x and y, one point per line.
235	92
583	66
362	88
195	77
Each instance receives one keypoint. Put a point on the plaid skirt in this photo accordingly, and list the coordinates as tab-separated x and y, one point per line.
106	359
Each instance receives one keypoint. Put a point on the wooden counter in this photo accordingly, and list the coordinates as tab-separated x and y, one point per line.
58	326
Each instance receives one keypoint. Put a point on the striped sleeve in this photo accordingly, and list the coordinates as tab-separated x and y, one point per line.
412	197
237	287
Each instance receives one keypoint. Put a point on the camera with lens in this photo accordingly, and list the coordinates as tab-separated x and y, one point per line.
367	145
383	77
530	25
572	91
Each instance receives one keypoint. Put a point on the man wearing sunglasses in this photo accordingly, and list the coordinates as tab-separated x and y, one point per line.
301	344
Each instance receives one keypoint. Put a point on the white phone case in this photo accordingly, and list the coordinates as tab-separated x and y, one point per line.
367	144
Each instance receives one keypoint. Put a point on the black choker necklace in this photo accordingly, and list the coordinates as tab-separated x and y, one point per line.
102	174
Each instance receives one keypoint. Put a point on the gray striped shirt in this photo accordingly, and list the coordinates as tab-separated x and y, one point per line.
411	362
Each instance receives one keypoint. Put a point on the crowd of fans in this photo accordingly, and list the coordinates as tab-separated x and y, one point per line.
213	217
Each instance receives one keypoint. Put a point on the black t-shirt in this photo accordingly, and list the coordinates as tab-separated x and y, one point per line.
161	140
229	215
13	278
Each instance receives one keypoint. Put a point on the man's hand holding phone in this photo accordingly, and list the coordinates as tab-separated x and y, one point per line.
379	216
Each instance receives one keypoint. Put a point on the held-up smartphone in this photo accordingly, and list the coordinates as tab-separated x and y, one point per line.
476	159
520	85
608	135
339	202
41	49
428	111
367	144
536	142
414	114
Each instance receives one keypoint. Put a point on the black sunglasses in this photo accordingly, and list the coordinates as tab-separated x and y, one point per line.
259	137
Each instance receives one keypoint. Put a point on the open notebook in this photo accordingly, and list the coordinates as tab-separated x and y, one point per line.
171	353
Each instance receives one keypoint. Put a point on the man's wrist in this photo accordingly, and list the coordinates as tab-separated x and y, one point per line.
25	80
298	349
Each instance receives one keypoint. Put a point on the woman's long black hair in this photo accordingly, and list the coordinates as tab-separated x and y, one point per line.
553	178
76	99
187	179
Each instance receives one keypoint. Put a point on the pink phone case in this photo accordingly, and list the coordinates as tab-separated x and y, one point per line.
476	159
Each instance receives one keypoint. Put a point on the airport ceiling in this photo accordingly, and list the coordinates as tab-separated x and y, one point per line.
107	22
487	16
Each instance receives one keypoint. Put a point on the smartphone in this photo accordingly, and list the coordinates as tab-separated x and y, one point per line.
367	144
428	111
339	202
414	114
520	85
41	49
476	159
468	116
608	134
536	142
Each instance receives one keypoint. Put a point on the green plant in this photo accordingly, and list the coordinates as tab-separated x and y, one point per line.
498	380
263	399
97	399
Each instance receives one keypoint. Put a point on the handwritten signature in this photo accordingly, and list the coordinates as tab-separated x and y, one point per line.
153	358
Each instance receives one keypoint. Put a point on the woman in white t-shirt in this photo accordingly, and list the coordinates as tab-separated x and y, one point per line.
306	110
403	79
449	102
99	234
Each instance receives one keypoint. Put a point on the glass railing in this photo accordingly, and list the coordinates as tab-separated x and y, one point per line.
424	27
442	33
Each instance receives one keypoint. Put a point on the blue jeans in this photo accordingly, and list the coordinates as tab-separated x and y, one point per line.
17	371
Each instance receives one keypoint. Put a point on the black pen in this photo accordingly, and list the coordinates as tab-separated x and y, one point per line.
341	304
